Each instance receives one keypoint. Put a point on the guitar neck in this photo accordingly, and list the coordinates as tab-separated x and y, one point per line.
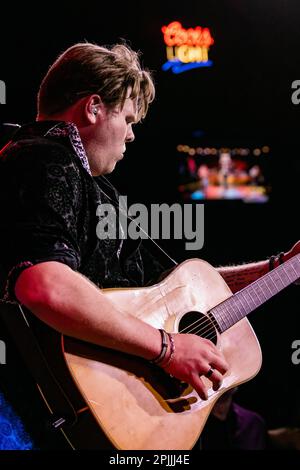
239	305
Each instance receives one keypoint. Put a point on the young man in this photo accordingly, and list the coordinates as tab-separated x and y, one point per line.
52	177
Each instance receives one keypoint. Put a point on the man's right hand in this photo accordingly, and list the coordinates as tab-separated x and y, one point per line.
195	357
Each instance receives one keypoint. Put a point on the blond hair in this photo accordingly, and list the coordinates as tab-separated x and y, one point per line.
86	68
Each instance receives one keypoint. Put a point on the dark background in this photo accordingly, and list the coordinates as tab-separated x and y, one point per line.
245	97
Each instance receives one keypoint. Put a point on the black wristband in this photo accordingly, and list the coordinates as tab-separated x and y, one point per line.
281	257
272	262
273	259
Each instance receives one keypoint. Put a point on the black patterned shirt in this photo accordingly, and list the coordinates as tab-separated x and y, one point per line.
48	204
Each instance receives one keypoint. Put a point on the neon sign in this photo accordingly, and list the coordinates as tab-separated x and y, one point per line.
186	48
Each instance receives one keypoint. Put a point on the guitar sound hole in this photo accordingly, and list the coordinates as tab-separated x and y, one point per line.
199	324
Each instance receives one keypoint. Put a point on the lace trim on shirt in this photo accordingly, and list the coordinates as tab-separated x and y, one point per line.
68	129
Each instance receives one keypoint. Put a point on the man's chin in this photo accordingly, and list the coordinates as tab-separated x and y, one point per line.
109	170
104	171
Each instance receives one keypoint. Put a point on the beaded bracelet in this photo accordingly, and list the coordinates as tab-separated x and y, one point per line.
164	347
170	358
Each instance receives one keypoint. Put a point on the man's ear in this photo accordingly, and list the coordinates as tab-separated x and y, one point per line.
93	108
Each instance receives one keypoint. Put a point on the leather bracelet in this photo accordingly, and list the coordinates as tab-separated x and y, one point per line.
164	347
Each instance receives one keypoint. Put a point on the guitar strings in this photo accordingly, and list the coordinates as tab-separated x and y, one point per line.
202	323
195	324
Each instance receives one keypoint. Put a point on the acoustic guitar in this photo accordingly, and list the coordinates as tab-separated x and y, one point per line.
99	398
138	405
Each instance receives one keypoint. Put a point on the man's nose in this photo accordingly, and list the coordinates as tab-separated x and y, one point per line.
130	136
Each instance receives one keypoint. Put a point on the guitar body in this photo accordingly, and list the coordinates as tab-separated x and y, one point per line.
136	404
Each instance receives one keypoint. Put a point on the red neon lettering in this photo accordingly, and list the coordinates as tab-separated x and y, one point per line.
176	35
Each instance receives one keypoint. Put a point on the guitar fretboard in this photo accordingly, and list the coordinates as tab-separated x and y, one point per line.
239	305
